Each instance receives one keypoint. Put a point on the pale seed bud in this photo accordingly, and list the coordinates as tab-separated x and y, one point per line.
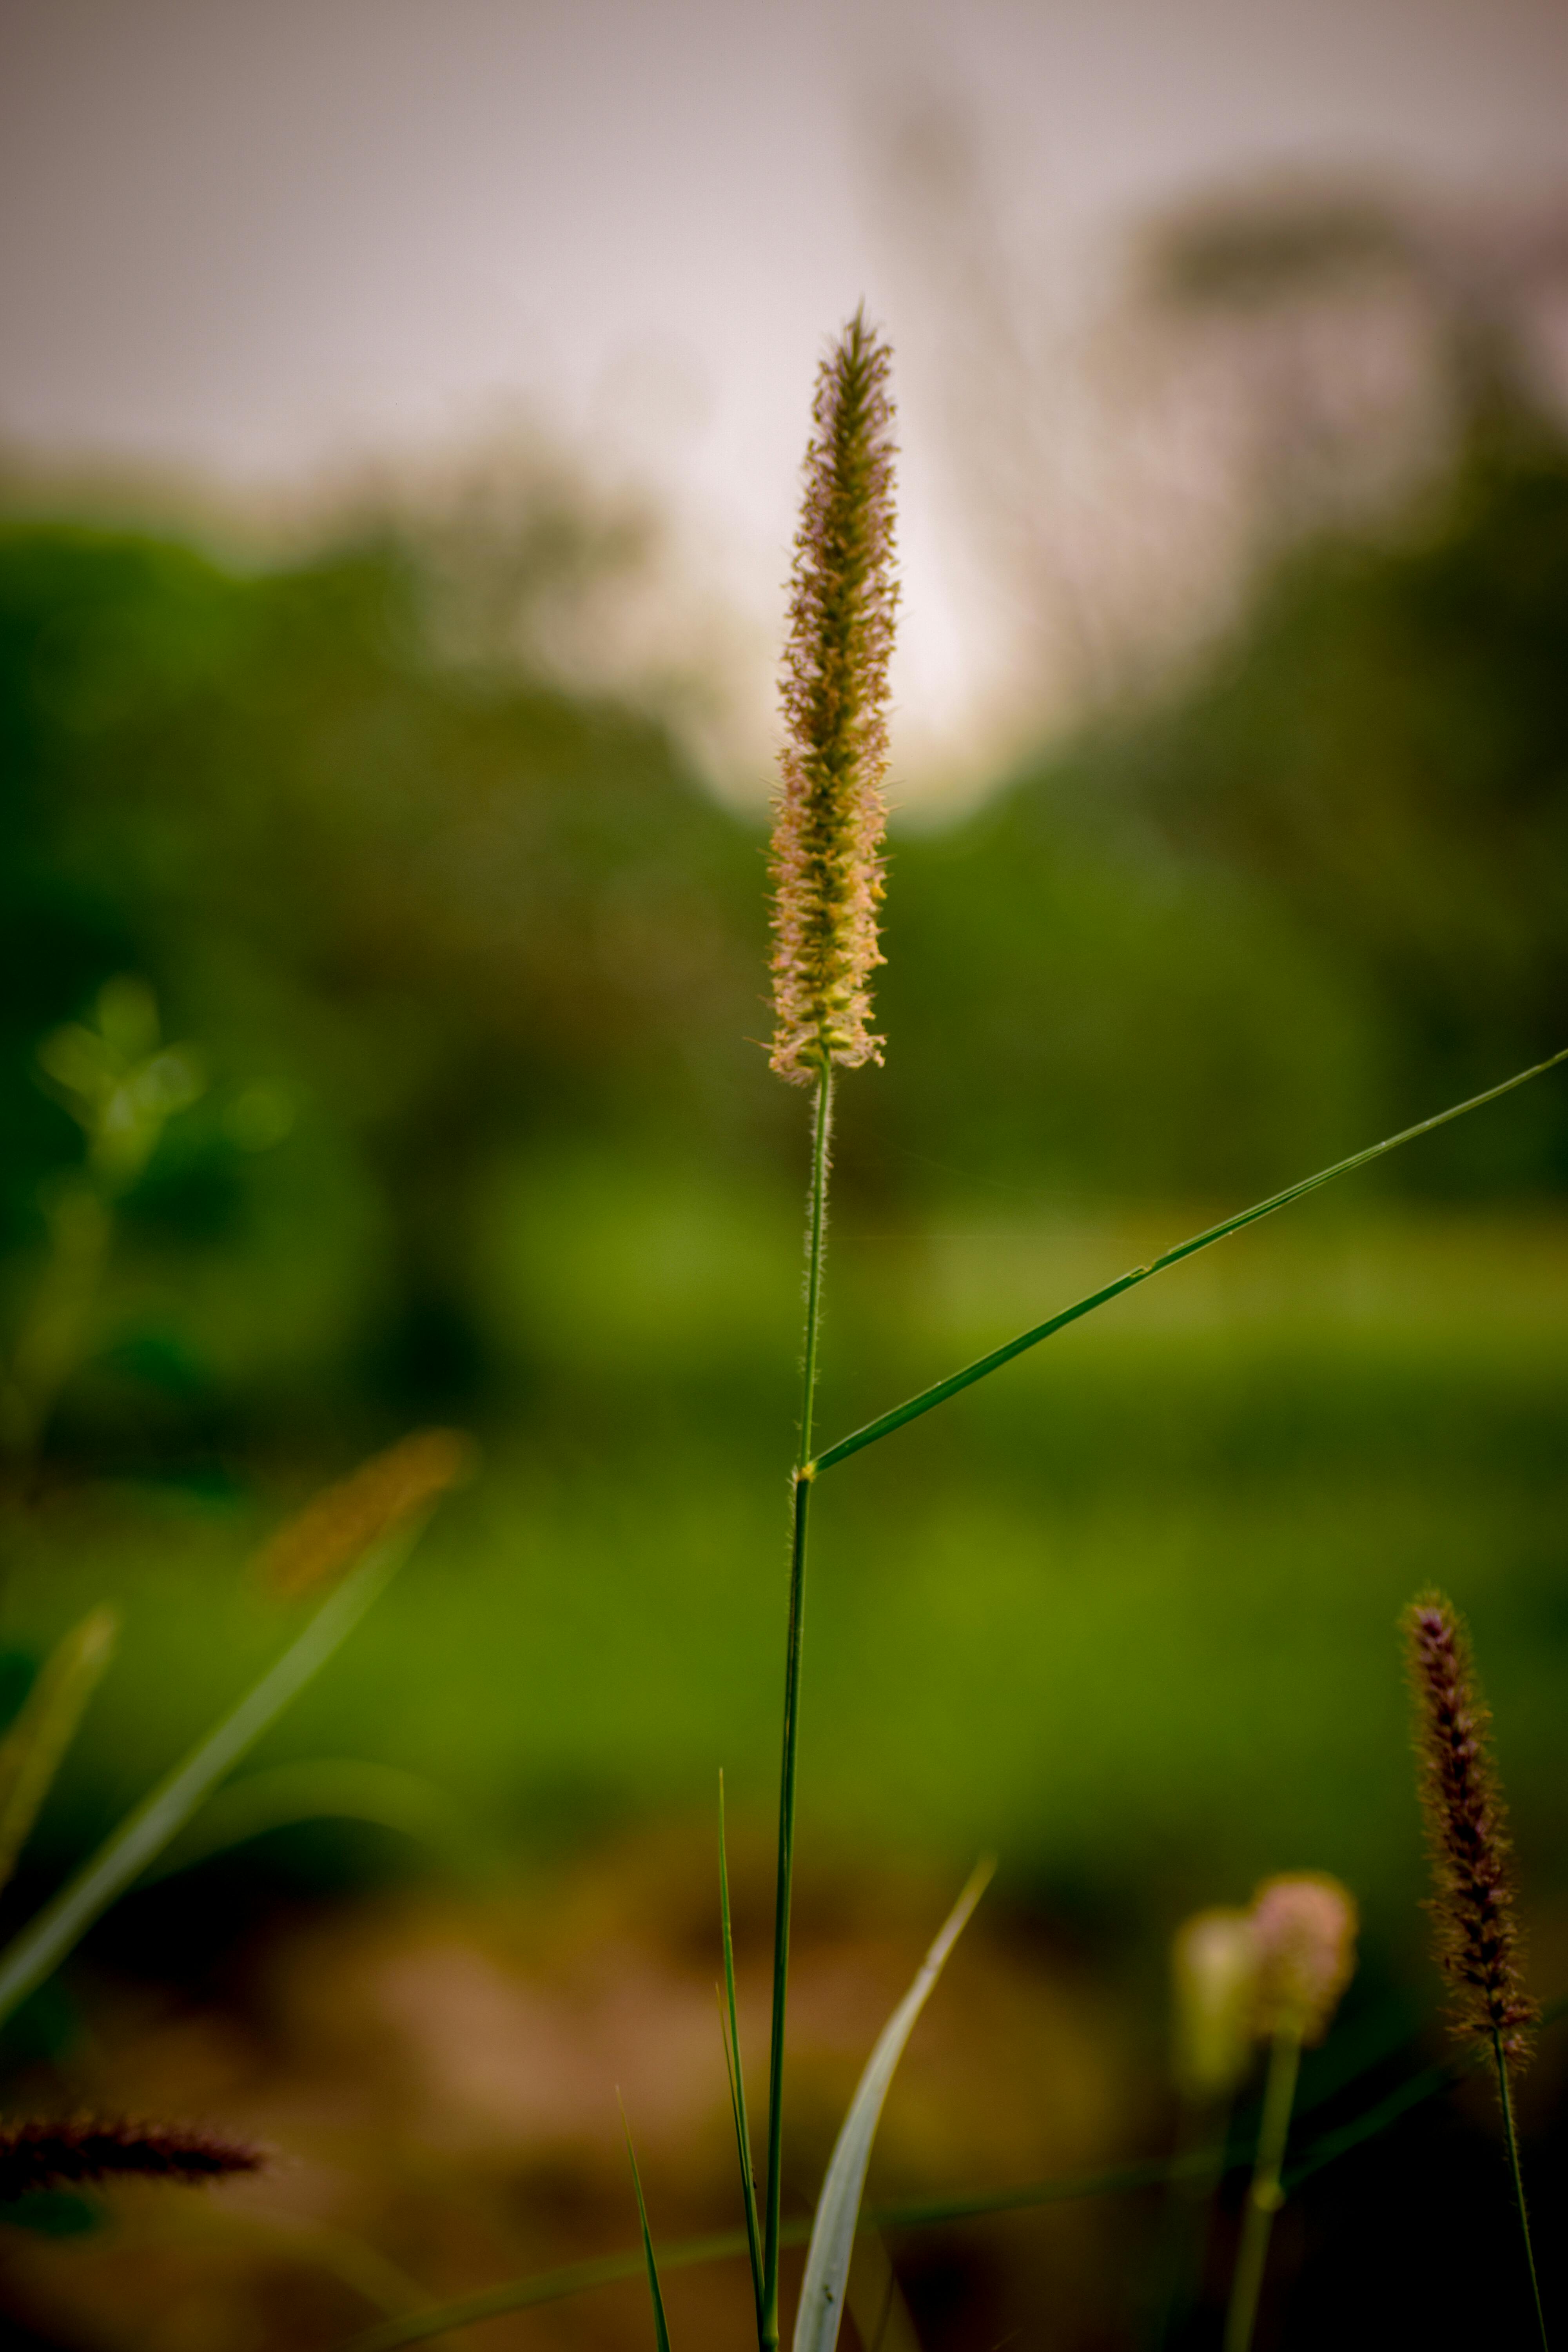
1305	1923
1214	1979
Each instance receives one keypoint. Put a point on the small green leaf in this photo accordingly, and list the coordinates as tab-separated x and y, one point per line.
660	2326
838	2207
33	1749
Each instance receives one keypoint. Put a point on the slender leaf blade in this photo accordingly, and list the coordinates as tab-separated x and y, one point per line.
660	2325
731	2032
149	1827
35	1747
900	1415
838	2207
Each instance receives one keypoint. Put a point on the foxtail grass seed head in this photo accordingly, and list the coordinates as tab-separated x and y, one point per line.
1305	1923
1214	1981
62	2155
830	813
1472	1903
341	1523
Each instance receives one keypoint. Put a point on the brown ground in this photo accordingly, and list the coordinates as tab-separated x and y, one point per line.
437	2074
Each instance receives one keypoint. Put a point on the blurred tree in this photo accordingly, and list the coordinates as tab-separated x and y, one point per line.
426	912
1321	891
406	909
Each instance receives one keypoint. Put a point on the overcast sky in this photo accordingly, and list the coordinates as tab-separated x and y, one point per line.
261	238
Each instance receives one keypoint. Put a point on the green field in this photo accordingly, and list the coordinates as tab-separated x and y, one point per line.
1124	1614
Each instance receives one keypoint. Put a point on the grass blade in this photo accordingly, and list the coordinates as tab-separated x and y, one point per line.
35	1747
149	1826
838	2207
885	1423
606	2270
660	2325
731	2034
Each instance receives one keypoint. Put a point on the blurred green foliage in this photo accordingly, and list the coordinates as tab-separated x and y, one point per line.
473	966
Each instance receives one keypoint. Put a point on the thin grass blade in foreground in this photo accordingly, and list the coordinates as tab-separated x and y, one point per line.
939	1392
838	2208
660	2326
380	1546
35	1747
731	2032
45	1941
927	2212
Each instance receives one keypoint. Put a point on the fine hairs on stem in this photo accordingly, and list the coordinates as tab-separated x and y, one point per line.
1473	1902
828	884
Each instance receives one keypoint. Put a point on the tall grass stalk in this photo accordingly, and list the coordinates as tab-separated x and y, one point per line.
1263	2195
768	2333
1304	1929
828	884
1473	1903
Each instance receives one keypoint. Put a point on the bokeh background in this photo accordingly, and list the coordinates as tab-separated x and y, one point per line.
400	416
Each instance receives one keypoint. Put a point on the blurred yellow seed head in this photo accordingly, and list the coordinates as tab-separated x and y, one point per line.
1214	1982
341	1525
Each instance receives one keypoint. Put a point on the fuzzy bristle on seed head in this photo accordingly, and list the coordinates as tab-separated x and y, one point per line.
1472	1903
830	813
1305	1923
35	2155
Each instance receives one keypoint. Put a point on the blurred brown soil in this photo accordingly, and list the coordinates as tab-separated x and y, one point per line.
437	2074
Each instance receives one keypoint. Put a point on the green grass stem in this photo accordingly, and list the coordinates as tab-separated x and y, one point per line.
1265	2196
1505	2095
928	1399
1188	2212
816	1227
